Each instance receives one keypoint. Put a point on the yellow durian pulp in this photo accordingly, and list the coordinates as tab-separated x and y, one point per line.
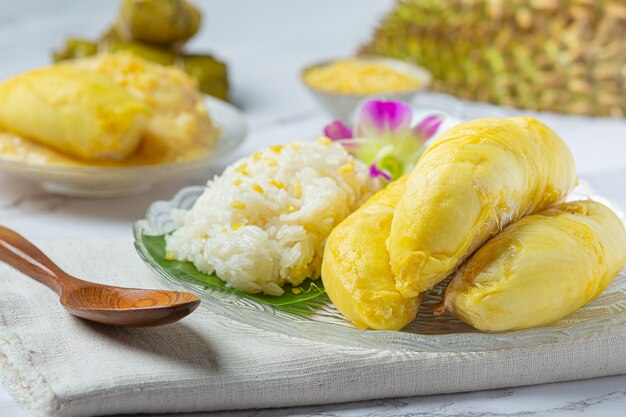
471	182
180	127
77	112
540	268
355	268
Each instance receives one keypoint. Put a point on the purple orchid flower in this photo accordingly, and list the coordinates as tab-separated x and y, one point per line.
337	130
376	172
380	118
428	126
384	138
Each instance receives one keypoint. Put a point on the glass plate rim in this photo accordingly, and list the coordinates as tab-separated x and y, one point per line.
373	339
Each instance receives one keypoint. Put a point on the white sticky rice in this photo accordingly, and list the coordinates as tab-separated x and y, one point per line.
265	220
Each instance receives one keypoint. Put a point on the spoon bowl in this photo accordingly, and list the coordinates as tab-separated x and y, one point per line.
128	307
105	304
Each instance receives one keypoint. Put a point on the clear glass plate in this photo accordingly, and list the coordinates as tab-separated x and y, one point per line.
113	182
426	333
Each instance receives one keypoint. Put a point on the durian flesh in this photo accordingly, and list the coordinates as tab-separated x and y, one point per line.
77	112
471	182
180	127
540	268
355	268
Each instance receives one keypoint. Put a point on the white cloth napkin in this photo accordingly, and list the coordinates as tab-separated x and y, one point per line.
57	365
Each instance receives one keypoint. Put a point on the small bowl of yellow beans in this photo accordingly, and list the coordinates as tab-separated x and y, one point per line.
341	85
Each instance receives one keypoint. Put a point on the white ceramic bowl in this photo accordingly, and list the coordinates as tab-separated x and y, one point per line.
98	182
342	105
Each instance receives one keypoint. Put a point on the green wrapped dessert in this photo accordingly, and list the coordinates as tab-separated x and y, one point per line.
161	22
156	30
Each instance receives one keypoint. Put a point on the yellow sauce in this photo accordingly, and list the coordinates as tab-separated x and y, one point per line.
359	77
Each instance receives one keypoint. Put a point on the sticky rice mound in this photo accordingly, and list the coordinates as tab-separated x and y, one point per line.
264	222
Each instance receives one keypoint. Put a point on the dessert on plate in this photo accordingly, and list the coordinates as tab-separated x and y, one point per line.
383	221
264	221
110	110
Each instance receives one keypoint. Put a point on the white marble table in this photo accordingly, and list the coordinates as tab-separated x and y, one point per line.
266	43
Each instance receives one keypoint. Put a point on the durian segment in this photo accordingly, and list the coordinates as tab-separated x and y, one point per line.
540	268
180	127
471	182
77	112
355	268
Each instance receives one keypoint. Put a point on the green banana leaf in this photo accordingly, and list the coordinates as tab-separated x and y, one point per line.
310	296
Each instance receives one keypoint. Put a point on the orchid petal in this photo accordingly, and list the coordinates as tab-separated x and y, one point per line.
391	165
378	118
337	130
428	126
350	144
365	150
375	172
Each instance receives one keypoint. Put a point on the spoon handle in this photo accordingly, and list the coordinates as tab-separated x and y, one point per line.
22	255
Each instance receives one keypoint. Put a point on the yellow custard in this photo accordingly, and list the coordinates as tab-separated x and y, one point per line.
359	77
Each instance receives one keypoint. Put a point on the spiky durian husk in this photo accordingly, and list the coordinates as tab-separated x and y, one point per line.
566	56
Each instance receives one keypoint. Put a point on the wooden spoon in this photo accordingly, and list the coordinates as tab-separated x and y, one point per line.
113	306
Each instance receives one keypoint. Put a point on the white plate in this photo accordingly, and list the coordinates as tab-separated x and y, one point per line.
113	182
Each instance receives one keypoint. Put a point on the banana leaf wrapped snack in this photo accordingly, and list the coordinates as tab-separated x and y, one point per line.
540	268
161	22
148	52
75	48
156	30
210	74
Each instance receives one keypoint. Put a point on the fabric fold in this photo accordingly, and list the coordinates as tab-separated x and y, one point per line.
57	365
